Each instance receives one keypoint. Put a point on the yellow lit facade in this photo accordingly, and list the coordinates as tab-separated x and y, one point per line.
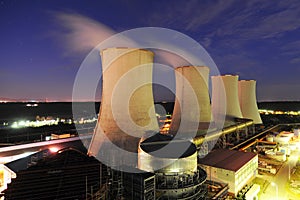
5	177
236	180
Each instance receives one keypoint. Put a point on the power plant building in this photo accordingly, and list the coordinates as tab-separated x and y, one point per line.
247	99
64	175
236	168
174	163
127	114
6	176
139	186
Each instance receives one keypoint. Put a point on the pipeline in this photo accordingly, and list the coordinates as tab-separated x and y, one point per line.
216	134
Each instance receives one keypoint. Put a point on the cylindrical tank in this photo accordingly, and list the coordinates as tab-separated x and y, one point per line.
174	163
277	155
296	132
247	99
160	153
270	138
127	105
282	139
225	94
197	78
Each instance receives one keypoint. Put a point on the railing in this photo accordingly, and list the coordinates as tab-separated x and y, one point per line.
178	181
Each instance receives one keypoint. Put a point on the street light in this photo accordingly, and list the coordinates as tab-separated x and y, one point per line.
276	186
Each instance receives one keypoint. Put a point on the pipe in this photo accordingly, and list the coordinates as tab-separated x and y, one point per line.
215	135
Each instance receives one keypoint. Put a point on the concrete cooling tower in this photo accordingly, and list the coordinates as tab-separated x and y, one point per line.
247	99
197	78
225	99
127	105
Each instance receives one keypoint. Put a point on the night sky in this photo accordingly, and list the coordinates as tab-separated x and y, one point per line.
44	42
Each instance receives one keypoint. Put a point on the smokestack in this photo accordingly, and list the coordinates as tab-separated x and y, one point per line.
247	99
127	105
197	78
225	98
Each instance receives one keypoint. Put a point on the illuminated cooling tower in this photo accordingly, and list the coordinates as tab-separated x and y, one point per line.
197	78
225	99
247	99
127	105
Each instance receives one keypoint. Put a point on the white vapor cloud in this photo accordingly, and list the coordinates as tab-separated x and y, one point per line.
81	34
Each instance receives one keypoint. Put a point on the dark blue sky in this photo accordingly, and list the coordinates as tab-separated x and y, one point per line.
44	42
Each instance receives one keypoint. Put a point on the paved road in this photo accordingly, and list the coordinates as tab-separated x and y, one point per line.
11	153
277	191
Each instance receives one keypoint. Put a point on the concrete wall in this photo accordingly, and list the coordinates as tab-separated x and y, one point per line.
221	176
245	174
235	180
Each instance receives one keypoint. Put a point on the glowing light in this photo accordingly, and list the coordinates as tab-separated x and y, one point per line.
267	112
15	125
276	187
8	159
53	149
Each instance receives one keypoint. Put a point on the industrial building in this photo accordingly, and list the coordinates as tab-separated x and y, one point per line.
139	186
231	126
158	166
118	184
236	168
127	106
68	174
174	163
127	83
6	176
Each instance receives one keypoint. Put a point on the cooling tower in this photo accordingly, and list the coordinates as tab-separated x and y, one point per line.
197	78
225	99
247	99
127	105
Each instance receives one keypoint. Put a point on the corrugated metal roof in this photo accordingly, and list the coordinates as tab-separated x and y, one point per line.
227	159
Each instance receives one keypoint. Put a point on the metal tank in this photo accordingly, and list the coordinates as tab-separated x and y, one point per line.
174	163
160	153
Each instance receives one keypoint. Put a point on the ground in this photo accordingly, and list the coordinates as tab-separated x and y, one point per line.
293	186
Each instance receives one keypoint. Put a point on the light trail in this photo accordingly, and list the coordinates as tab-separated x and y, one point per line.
41	144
